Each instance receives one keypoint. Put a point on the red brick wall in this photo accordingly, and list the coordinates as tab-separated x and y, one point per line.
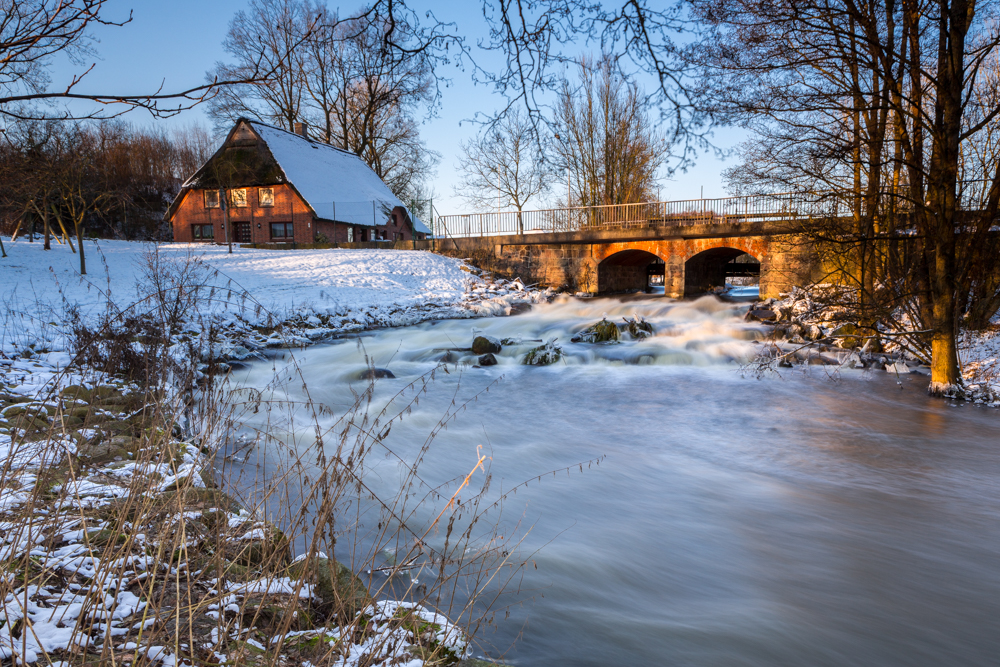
288	207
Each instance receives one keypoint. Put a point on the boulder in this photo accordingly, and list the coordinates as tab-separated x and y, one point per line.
80	412
102	453
485	345
126	442
487	360
898	367
104	391
761	315
375	374
638	327
543	355
846	336
336	589
76	392
813	332
822	360
602	332
261	544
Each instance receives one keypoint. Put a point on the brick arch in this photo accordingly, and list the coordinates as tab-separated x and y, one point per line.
625	270
676	252
707	270
684	248
753	246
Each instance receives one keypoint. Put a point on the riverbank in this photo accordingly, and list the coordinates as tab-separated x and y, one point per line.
119	545
814	325
262	297
120	548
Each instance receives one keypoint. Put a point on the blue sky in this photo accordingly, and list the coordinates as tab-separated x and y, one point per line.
177	41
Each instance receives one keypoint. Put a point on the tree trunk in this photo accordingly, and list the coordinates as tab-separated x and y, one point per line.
45	225
79	242
943	184
225	216
65	234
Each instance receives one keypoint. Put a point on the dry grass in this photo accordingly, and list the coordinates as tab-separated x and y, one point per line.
120	547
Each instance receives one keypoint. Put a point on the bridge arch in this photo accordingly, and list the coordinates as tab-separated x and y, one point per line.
709	269
628	270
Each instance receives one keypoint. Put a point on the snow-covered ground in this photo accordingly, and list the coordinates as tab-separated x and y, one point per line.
310	294
819	311
979	353
350	289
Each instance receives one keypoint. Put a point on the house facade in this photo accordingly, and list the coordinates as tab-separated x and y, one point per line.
281	187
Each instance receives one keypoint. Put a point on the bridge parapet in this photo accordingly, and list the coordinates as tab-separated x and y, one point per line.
786	207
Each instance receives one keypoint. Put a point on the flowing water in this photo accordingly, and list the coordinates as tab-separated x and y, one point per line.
813	519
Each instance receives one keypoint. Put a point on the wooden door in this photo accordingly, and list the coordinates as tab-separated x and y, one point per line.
242	230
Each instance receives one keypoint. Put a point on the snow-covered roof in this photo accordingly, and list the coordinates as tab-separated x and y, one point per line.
329	178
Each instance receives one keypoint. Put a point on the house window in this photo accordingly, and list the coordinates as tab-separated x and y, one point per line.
265	196
371	236
350	234
203	232
211	199
282	231
238	198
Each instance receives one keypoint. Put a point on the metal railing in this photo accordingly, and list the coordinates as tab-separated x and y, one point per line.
727	210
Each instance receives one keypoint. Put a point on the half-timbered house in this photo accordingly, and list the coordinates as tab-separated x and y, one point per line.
282	187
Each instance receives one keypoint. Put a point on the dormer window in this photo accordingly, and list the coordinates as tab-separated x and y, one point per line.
211	199
265	196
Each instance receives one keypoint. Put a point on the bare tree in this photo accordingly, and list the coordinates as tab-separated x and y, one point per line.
379	96
882	101
538	41
33	32
77	194
271	32
606	138
137	172
503	166
361	82
193	147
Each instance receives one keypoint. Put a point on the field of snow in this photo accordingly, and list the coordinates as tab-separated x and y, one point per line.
363	288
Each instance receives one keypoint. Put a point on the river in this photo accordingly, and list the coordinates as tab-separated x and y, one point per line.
815	518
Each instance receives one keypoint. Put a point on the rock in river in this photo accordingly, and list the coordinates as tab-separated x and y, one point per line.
543	355
487	360
602	332
761	315
375	374
485	345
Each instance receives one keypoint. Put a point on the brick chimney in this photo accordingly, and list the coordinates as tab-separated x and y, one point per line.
301	129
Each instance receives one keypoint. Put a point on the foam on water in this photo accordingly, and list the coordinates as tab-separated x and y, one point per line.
808	519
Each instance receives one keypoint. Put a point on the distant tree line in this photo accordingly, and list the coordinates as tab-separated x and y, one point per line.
110	179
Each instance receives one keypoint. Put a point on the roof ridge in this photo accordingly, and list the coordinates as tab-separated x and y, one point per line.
320	144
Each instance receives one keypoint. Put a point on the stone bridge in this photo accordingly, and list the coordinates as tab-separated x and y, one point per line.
634	246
